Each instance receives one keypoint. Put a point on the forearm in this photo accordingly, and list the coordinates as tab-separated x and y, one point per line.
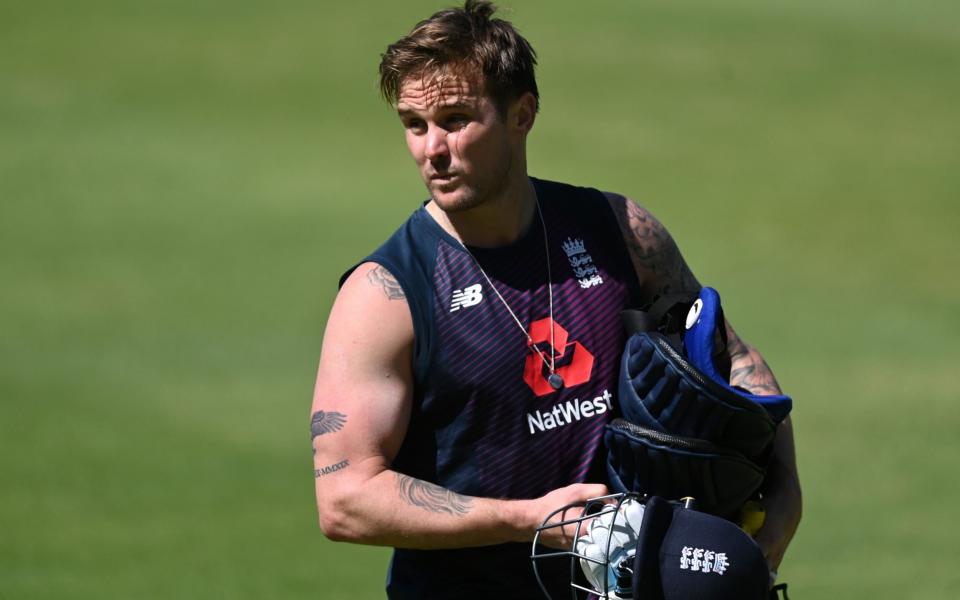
391	509
781	490
782	497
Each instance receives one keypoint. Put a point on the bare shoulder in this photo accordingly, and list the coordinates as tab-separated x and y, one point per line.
370	318
655	255
647	238
371	285
379	277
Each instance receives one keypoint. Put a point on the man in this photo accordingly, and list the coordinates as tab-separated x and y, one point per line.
469	364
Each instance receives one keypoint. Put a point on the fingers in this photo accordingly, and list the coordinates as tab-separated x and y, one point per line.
595	490
581	492
574	496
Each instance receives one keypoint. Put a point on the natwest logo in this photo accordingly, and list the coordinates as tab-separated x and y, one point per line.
574	371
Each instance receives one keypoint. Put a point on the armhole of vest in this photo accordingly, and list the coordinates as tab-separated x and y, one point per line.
420	314
621	245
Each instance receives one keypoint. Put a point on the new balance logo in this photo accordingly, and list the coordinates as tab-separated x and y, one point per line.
703	561
467	297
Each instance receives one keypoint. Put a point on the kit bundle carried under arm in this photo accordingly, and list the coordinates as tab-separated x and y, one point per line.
685	431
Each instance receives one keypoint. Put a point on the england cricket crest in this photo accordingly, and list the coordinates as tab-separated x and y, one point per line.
582	263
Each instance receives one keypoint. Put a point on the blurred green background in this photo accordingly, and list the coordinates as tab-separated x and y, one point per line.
182	182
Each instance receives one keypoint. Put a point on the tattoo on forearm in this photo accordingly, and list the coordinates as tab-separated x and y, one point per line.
652	249
325	422
432	497
324	471
382	278
748	369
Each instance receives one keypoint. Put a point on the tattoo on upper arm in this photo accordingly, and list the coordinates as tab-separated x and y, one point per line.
323	422
653	250
326	422
735	346
324	471
748	369
432	497
382	278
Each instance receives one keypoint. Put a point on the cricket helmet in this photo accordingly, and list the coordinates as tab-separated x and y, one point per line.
647	548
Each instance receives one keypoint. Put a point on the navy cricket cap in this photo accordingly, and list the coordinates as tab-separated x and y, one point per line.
684	554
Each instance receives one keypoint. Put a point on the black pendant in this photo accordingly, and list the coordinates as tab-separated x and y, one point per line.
555	381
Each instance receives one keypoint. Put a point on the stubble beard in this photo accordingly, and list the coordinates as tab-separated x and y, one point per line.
468	196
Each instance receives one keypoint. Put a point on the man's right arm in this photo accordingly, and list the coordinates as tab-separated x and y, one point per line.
361	408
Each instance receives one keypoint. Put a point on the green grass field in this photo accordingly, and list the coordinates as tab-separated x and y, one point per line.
181	184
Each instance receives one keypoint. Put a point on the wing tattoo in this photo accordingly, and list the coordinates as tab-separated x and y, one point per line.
326	422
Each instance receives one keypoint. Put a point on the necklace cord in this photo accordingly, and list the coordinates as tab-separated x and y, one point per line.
546	248
551	365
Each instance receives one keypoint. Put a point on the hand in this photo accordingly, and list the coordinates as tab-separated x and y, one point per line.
578	494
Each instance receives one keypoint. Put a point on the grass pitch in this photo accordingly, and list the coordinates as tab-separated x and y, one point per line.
181	184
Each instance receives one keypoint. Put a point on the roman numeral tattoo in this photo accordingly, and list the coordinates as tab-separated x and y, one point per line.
324	471
432	497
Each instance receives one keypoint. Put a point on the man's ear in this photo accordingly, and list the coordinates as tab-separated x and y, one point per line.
522	113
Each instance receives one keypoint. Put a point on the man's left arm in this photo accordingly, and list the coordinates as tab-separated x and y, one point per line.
661	270
781	489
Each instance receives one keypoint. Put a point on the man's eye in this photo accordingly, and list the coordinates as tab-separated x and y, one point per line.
415	125
457	121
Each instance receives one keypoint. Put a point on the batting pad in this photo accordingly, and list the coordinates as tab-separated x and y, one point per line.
660	390
654	463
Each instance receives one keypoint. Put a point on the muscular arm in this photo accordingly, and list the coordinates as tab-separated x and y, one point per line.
361	408
661	270
656	258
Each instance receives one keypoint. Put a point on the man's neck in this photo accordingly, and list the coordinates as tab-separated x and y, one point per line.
499	221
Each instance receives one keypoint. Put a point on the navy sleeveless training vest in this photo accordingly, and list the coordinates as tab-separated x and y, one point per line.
485	422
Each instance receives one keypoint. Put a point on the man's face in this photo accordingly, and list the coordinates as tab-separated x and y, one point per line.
458	139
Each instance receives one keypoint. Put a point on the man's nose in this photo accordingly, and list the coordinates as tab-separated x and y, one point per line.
436	143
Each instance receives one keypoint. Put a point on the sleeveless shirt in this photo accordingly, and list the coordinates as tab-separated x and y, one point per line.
485	422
